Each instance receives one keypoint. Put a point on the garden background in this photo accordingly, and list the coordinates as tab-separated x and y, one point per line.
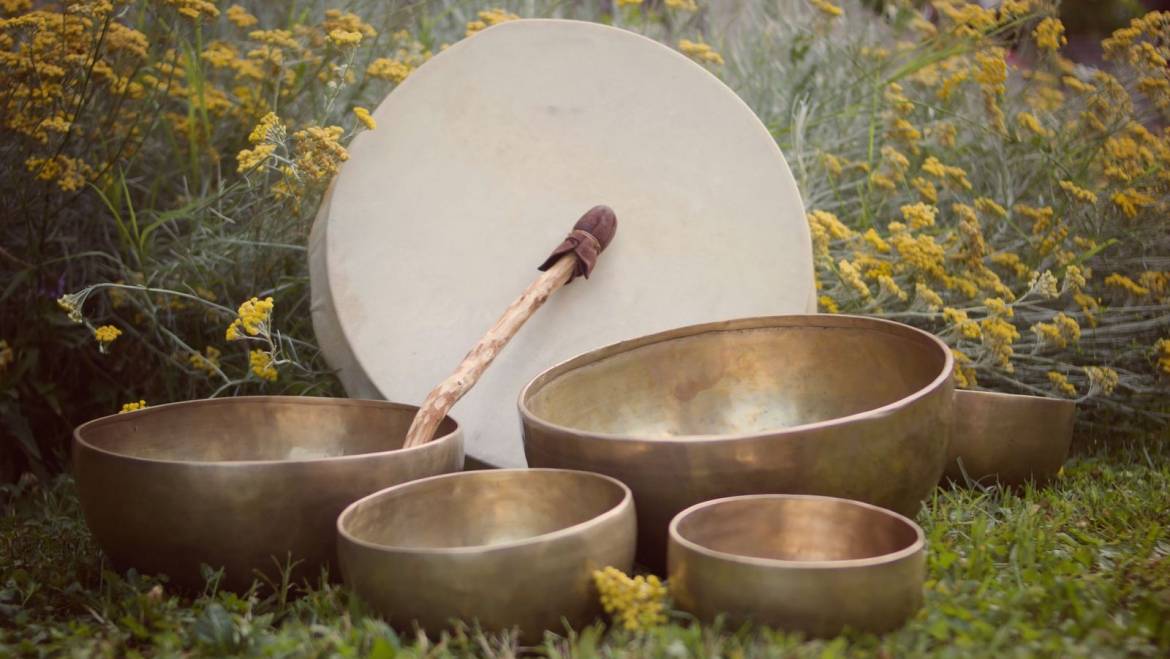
995	176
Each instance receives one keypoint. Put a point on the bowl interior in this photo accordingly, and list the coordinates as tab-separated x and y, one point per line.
480	508
740	381
257	428
796	529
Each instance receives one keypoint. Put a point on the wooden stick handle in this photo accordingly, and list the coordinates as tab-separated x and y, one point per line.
449	391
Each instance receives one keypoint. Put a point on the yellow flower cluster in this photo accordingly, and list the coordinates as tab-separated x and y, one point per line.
196	10
488	18
208	363
1062	332
968	328
363	116
1049	34
132	407
700	52
262	364
965	377
637	603
1127	285
106	334
252	319
1061	382
851	277
998	337
1077	192
919	215
827	8
389	69
1105	379
319	153
240	16
682	5
1162	353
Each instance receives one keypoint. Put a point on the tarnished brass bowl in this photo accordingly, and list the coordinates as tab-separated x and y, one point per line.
1009	438
507	548
844	406
797	562
242	483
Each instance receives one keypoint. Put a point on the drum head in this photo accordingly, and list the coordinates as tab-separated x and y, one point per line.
481	162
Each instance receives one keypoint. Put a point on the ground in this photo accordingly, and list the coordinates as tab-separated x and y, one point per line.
1079	568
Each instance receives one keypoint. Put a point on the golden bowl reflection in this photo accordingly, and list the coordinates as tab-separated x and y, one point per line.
244	483
796	562
844	406
507	548
1008	438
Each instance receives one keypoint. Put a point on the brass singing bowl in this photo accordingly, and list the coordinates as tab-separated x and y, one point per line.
843	406
1008	438
507	548
797	562
242	483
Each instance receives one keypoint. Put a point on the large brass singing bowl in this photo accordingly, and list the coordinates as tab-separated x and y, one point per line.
1009	438
802	563
845	406
506	548
242	483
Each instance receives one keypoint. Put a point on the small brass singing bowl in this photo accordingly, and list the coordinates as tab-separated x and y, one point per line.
245	484
1008	438
845	406
507	548
802	563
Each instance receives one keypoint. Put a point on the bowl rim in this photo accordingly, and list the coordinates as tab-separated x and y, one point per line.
919	544
80	431
822	321
1008	398
617	510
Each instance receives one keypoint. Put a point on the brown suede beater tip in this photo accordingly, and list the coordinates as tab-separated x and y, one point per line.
589	237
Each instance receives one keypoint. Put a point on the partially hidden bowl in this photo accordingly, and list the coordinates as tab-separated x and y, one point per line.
1008	438
245	484
796	562
507	548
845	406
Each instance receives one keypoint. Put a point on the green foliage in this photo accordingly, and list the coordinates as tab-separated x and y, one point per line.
1078	569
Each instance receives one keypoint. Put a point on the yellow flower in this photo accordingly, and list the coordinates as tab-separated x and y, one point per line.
268	129
7	356
851	277
967	327
828	304
874	240
1080	194
882	182
919	215
1061	383
249	159
933	300
240	16
682	5
989	206
889	287
1049	34
700	52
1102	379
389	69
629	3
319	152
1162	352
998	337
1158	283
345	37
1061	332
106	334
131	407
827	8
998	307
1045	285
1029	121
487	18
1130	201
637	603
363	115
964	373
209	363
262	365
926	189
1074	279
1120	281
195	9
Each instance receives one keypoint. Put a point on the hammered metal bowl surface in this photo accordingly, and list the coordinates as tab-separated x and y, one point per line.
845	406
801	563
1008	438
245	483
507	548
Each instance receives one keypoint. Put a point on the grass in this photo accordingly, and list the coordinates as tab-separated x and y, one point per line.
1081	568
